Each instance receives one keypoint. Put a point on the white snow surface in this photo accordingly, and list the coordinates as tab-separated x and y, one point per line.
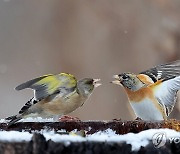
136	140
38	119
3	121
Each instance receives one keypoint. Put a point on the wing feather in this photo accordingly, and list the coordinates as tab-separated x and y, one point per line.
29	83
48	85
166	92
164	71
43	86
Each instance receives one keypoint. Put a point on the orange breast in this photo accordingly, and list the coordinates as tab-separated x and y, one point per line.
145	92
139	95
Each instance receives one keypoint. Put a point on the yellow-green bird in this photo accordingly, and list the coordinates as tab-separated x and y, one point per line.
54	96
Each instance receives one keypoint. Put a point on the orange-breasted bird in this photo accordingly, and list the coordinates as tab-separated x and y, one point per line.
152	93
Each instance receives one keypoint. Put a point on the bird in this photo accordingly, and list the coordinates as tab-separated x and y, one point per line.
54	96
152	93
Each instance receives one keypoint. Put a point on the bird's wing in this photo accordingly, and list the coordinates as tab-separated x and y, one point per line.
166	93
43	86
168	75
164	71
26	106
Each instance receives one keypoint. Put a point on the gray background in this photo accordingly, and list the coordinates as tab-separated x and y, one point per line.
87	38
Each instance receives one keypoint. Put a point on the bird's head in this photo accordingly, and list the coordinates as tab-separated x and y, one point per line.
85	86
128	80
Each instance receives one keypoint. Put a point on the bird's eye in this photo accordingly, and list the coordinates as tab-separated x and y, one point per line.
89	82
124	76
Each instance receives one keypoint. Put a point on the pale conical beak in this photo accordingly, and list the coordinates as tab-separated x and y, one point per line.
116	77
96	82
117	80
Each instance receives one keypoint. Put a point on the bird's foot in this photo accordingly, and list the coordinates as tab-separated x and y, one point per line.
67	118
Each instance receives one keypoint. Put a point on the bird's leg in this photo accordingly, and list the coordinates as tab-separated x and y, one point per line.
66	118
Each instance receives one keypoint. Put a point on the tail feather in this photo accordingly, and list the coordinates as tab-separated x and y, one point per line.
24	109
13	120
10	118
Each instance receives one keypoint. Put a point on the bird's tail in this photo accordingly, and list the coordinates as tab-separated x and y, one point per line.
13	119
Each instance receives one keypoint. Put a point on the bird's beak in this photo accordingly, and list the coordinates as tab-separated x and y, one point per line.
117	80
96	82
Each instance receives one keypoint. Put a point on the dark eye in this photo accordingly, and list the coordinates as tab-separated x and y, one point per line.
125	76
89	82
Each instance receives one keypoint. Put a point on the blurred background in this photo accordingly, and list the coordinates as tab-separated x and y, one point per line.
87	38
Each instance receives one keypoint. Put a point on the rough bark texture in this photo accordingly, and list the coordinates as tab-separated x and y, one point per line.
121	127
38	144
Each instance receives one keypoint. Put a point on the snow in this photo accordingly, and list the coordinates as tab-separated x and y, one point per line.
15	136
136	140
38	119
3	121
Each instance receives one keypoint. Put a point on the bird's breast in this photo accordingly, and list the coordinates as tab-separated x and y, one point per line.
139	95
144	103
60	106
147	110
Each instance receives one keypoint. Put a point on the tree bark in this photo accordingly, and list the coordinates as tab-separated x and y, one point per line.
121	127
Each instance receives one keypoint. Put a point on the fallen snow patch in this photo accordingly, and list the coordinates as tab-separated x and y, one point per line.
37	119
3	121
136	140
15	136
